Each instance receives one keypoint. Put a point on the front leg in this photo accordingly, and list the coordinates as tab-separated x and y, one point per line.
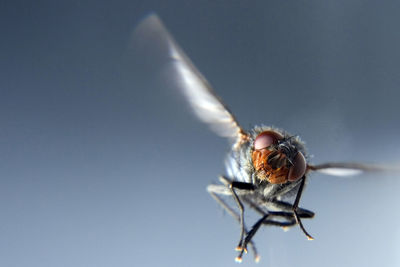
248	187
296	205
215	192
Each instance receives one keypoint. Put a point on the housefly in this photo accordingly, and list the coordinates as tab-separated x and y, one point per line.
265	167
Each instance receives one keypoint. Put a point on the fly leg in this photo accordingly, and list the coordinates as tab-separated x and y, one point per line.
241	186
214	192
296	207
250	235
270	218
286	206
263	220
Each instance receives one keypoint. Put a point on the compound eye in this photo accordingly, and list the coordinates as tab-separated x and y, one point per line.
299	167
265	139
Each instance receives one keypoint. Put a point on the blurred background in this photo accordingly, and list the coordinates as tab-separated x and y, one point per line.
103	164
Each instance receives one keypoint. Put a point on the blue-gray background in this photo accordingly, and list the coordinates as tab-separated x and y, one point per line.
102	165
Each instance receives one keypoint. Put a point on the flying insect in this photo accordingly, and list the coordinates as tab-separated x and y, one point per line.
266	166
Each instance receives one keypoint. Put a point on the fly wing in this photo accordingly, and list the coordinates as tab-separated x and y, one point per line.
350	169
197	90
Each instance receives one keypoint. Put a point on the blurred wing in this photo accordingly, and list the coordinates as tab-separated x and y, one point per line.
204	102
350	169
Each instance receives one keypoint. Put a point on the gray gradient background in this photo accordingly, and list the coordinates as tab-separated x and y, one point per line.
102	165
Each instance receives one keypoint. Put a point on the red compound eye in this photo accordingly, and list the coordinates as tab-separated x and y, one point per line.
265	139
299	167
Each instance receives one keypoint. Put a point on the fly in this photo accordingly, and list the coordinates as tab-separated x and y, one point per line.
265	166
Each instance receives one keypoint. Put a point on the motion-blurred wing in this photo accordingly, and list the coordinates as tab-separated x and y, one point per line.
204	102
350	169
